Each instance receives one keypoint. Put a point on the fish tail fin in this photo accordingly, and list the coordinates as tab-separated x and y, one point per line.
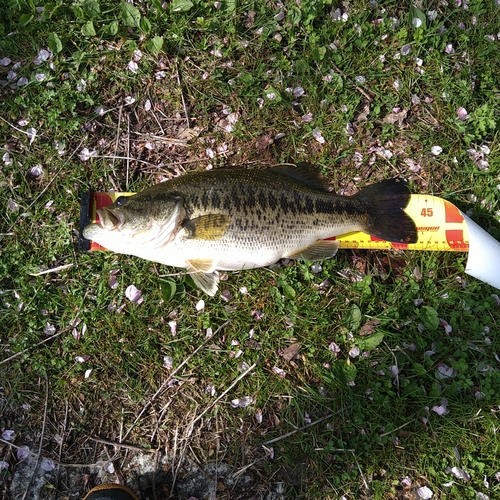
387	220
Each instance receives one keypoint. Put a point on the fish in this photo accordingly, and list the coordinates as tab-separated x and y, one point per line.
236	219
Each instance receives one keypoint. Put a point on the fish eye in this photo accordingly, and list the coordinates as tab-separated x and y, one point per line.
120	201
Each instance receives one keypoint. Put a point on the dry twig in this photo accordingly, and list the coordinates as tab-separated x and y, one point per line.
121	445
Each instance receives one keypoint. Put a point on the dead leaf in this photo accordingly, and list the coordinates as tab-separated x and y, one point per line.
362	116
263	142
369	327
396	118
253	344
291	351
189	134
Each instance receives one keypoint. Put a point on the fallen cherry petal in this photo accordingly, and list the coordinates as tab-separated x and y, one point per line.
8	435
258	415
168	362
22	452
173	327
460	473
47	464
440	410
134	295
425	493
242	402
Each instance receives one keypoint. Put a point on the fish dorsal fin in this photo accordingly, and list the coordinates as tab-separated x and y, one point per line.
303	173
320	250
207	227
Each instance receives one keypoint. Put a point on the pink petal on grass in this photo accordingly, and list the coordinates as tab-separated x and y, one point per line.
242	402
173	327
298	92
22	452
447	328
354	352
462	114
405	50
47	464
8	435
424	493
445	372
134	295
168	362
460	473
31	133
257	314
440	410
406	481
318	136
258	415
113	283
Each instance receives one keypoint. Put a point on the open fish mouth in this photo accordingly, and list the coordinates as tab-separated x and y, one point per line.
110	219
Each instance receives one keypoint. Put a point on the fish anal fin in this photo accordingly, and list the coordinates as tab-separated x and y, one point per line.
208	227
208	282
320	250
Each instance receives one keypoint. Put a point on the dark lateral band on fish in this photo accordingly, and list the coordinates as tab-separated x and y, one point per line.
242	219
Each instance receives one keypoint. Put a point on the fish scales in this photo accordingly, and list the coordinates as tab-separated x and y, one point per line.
242	219
266	214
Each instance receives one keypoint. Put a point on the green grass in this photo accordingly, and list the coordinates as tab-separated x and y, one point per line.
380	426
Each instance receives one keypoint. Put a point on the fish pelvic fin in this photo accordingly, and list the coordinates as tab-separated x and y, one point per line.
204	275
320	250
208	282
385	203
201	265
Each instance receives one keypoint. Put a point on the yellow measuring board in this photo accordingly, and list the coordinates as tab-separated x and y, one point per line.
440	225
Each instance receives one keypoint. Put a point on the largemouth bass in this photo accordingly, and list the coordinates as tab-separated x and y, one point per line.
244	219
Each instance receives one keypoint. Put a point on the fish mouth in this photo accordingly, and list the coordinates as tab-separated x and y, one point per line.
110	219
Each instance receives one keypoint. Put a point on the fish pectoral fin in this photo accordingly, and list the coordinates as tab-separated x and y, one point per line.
208	282
207	227
320	250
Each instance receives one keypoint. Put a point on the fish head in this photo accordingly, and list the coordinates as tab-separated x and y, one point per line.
138	223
